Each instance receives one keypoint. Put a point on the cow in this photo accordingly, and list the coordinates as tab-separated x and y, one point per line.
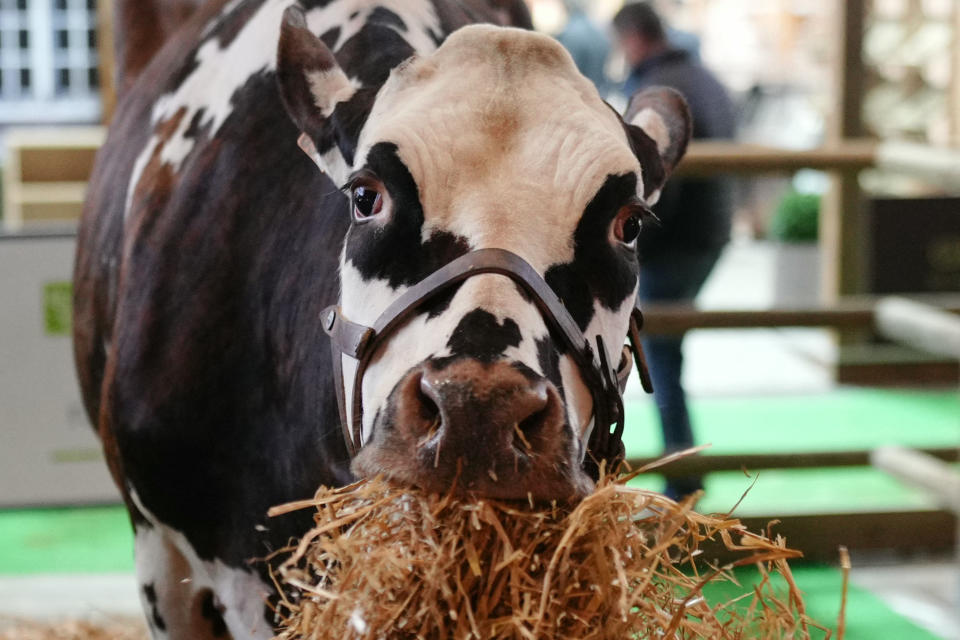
432	287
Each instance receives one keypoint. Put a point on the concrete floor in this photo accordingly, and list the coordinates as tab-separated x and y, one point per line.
81	596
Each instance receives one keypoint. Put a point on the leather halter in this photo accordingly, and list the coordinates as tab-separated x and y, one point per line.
606	384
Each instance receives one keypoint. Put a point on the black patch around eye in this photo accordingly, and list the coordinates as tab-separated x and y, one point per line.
478	335
395	252
598	270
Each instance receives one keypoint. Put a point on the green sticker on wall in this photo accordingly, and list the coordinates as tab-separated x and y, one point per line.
57	308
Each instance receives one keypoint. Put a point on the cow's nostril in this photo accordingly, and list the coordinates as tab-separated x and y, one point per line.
426	394
525	430
429	412
533	409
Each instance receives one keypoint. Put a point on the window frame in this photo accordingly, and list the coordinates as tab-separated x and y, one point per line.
46	103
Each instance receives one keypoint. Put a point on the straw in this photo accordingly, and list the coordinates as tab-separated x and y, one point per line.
389	562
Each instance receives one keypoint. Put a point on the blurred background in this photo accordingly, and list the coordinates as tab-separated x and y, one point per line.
816	383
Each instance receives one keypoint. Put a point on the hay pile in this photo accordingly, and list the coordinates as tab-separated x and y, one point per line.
388	562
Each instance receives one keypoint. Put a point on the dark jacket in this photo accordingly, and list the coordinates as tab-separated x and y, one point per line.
695	212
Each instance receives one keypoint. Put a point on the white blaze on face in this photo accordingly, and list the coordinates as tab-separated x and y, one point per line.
507	143
221	71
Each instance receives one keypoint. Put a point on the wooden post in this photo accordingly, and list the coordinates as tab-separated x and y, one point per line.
842	225
105	51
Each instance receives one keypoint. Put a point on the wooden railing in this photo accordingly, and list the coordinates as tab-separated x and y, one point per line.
937	165
853	312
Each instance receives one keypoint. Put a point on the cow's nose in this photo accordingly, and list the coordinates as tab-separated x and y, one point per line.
488	426
515	409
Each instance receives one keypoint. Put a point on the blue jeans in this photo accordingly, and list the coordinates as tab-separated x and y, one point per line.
673	278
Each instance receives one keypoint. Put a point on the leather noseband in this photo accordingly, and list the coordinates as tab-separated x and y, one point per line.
606	384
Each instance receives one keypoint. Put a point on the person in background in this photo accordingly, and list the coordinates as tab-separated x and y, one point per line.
587	43
677	256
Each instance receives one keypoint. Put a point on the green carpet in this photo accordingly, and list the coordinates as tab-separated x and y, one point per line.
785	492
76	540
868	618
839	420
842	419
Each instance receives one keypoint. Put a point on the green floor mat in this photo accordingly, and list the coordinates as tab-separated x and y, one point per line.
868	618
784	492
77	540
839	420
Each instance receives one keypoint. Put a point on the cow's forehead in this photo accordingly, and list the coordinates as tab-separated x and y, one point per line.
504	138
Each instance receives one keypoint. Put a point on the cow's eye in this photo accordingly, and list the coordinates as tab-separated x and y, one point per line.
366	202
627	225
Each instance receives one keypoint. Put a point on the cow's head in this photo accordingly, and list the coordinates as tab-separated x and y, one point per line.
493	141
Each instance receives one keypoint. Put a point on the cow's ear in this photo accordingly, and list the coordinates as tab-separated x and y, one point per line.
316	92
659	126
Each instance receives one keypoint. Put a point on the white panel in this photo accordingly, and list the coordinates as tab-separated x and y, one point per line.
48	451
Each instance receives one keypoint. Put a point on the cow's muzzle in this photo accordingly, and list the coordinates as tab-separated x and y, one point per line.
488	429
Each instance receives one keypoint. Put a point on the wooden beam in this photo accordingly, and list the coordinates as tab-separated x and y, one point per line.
819	535
855	312
842	220
715	156
936	165
674	320
708	463
848	72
